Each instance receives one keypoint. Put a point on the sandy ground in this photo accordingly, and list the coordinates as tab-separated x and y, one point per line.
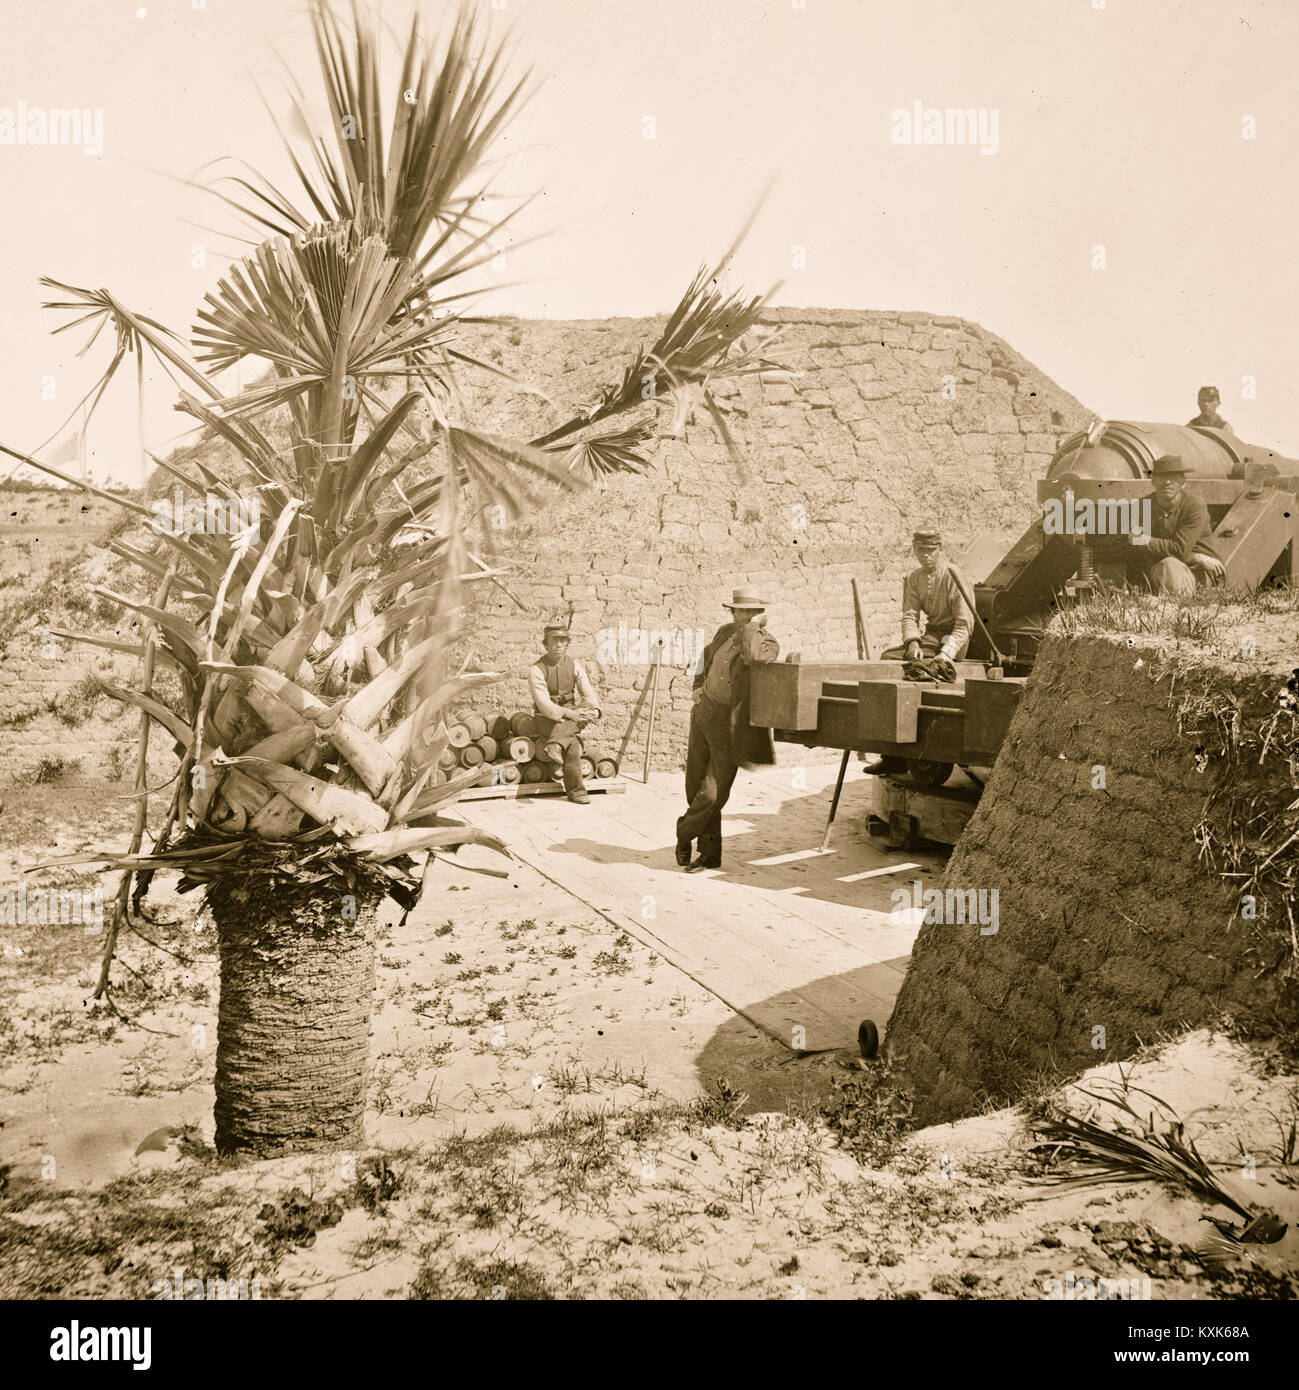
554	1112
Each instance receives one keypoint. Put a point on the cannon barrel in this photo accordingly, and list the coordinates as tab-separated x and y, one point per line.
1124	450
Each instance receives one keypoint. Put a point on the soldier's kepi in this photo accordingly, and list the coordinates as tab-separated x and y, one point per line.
721	738
565	701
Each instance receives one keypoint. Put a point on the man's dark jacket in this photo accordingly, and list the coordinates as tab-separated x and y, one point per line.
749	746
1176	534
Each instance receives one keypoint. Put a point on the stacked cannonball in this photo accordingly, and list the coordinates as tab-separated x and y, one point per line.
509	749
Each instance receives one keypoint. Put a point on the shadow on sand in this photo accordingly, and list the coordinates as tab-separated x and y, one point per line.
771	1074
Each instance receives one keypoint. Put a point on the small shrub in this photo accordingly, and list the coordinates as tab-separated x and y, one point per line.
116	762
295	1218
871	1115
78	702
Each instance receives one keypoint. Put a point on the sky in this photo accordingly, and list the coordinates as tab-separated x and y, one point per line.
1129	229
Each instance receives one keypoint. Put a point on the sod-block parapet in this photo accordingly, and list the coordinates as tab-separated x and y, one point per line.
1117	802
884	422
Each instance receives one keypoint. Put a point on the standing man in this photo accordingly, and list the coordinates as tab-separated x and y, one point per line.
1208	400
721	738
1179	529
565	701
931	593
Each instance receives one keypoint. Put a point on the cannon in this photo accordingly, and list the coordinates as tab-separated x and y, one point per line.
1250	492
1103	472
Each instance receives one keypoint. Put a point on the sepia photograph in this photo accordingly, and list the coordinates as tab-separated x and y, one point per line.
649	653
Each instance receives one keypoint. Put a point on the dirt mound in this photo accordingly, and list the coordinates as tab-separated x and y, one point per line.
1137	830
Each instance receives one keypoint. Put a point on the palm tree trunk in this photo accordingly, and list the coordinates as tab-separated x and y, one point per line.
293	1026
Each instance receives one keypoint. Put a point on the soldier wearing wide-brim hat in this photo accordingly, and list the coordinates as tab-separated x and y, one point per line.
1180	534
936	620
721	738
565	701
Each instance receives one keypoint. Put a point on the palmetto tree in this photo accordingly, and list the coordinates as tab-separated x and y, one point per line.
310	653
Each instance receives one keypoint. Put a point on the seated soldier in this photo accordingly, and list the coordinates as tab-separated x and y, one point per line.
931	592
1180	535
565	701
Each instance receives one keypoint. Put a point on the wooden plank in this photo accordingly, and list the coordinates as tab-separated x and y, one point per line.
512	791
768	953
764	999
870	932
783	694
699	907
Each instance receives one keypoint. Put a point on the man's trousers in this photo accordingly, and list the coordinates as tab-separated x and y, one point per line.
710	773
564	732
1167	576
930	642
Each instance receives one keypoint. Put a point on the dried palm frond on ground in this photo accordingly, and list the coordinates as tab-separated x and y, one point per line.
1132	1146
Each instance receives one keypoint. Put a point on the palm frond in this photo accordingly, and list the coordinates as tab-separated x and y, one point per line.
710	336
407	166
618	451
1132	1147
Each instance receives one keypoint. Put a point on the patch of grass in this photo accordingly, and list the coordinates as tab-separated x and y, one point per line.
1198	618
20	718
512	933
377	1182
460	1151
51	767
571	1079
617	961
374	1245
505	1279
79	702
431	1284
490	1196
116	1241
497	1279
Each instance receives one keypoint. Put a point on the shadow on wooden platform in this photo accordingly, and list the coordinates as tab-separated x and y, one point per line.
802	944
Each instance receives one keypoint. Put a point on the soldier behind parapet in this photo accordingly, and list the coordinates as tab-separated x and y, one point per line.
1208	400
1180	539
